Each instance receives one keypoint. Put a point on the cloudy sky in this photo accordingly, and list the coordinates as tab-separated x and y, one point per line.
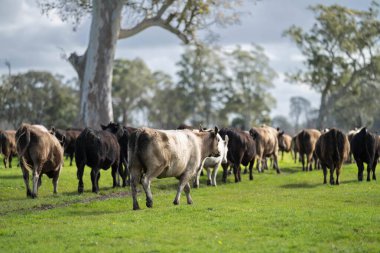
30	40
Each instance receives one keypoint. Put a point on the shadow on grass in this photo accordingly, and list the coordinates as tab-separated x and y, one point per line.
10	177
288	170
300	186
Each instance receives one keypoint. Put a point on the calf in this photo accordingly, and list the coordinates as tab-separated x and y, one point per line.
332	150
40	153
98	150
365	147
242	150
8	146
266	145
306	141
214	163
122	133
168	153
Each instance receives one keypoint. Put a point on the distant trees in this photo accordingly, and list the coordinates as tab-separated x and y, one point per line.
342	62
38	97
299	106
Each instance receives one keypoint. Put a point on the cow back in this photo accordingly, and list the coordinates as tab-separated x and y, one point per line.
364	146
306	140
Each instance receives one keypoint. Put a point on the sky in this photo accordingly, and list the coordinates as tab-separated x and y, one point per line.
30	40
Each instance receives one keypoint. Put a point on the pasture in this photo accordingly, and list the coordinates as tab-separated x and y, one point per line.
289	212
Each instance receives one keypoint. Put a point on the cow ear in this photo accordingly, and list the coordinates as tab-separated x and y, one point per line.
281	133
216	130
103	127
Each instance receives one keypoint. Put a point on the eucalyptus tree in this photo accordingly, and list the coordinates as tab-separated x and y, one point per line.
341	51
298	106
122	19
250	79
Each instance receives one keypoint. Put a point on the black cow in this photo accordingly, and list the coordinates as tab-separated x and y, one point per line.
241	150
122	133
98	150
365	147
67	139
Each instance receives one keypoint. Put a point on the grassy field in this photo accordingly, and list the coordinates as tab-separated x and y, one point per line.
290	212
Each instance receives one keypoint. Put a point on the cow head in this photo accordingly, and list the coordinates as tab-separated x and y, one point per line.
254	134
114	128
215	140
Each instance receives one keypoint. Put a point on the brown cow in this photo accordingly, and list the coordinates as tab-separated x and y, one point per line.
332	150
306	141
284	143
168	153
40	153
266	145
8	146
295	148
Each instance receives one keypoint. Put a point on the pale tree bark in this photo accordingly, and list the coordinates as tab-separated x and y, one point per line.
95	66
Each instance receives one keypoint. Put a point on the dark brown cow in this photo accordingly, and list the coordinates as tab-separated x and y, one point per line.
8	146
40	153
122	133
284	143
168	153
306	141
67	139
241	150
365	147
332	150
98	150
266	146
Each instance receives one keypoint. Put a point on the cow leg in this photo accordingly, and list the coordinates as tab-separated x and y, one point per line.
360	169
337	175
115	175
125	173
369	169
187	192
71	159
324	173
236	167
225	172
374	169
183	180
36	178
302	161
10	161
275	163
214	174
239	173
282	155
39	181
198	174
135	179
209	178
94	179
309	162
5	161
332	168
149	197
25	176
250	169
258	164
80	170
245	170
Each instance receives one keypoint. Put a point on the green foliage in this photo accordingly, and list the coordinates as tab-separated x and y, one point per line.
250	79
39	98
290	212
132	83
341	52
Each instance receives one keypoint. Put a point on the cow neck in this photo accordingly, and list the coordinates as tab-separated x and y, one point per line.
206	142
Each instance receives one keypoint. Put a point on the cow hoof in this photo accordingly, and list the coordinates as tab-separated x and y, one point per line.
80	190
33	196
149	203
208	182
278	171
251	178
136	208
176	202
190	202
195	185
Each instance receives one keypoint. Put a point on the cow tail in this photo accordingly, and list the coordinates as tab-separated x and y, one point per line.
22	143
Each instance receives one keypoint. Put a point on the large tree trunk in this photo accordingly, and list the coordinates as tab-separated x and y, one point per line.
96	99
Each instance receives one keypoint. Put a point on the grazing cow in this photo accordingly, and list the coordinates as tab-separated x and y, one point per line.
332	150
365	147
8	146
284	142
40	153
242	150
214	163
306	140
98	150
266	145
168	153
122	133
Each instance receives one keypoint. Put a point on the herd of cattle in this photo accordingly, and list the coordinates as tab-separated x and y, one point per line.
138	155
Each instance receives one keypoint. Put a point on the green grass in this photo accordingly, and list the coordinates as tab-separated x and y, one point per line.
290	212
